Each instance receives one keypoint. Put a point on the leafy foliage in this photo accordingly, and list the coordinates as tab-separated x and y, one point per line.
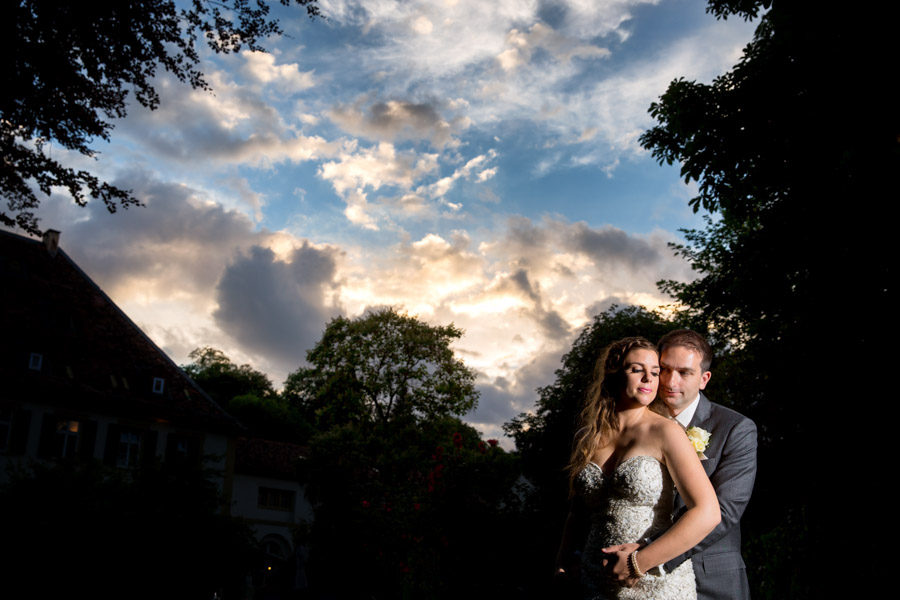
223	380
793	149
757	142
247	394
777	259
71	67
381	368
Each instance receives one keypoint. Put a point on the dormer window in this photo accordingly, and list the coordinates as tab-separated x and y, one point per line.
35	361
158	385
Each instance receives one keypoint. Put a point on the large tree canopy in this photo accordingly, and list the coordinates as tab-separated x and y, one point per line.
794	151
381	367
222	379
69	69
402	488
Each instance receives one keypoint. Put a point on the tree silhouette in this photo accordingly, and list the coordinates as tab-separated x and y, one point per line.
403	490
381	368
793	150
248	395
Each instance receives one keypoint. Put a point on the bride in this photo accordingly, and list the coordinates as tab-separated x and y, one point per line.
626	463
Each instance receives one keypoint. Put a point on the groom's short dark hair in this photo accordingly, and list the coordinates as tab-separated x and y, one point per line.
688	339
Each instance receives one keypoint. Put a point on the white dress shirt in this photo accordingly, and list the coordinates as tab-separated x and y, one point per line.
685	416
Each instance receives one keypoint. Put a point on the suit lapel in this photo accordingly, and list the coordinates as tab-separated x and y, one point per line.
701	415
701	419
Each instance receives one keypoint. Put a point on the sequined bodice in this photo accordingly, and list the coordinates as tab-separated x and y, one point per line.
632	504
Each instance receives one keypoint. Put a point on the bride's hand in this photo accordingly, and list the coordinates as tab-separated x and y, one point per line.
617	568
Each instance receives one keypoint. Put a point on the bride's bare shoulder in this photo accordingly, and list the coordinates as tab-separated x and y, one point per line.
665	427
658	421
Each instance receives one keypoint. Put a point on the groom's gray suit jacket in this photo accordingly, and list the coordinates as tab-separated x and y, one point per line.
731	466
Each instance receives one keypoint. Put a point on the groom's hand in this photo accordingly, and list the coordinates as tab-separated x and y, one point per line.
616	563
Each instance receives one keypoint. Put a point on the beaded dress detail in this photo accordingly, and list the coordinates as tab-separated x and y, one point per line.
634	504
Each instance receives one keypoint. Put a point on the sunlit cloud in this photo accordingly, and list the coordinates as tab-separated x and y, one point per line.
261	67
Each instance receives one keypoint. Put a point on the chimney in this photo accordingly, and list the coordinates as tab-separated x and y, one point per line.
51	241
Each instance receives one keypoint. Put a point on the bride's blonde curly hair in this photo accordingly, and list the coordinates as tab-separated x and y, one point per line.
598	419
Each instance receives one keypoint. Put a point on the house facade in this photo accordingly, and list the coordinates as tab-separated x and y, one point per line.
83	381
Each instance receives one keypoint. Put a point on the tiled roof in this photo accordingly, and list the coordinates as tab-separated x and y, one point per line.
92	356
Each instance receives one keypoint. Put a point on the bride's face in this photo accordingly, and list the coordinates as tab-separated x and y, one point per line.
641	376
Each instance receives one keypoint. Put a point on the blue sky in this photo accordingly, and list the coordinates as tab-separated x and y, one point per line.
466	161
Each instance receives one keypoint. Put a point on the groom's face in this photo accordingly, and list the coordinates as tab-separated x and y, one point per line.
680	377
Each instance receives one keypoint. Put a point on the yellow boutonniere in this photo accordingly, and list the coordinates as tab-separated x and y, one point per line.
699	438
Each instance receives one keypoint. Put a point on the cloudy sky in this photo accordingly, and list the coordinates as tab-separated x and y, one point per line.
466	161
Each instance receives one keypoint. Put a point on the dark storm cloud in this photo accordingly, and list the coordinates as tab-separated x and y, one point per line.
612	243
275	307
550	322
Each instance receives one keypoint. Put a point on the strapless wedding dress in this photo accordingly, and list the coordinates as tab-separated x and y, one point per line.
633	504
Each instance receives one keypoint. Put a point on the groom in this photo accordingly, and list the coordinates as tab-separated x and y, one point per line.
684	358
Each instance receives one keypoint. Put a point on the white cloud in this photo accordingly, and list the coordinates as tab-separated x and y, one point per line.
382	166
442	186
246	195
515	292
463	33
422	25
261	67
376	167
195	274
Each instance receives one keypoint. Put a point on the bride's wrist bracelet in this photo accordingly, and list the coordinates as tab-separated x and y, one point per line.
632	560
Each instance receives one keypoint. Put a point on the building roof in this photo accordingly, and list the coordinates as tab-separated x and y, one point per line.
66	343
